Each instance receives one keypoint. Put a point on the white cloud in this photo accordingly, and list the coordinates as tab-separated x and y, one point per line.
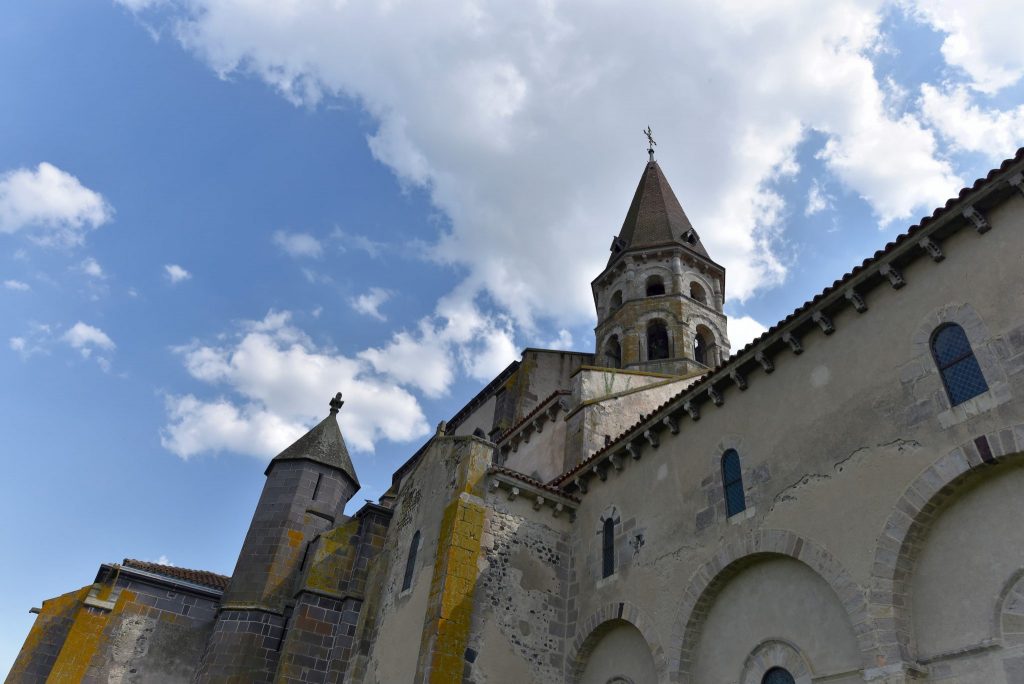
17	285
52	203
92	268
370	302
563	341
85	338
817	200
982	38
176	273
458	336
17	344
163	559
743	330
995	133
280	382
298	244
523	121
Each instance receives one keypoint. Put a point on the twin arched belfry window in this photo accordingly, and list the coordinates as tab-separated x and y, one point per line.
961	374
732	483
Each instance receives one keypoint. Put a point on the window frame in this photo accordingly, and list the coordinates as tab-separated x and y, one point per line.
944	366
608	548
733	484
410	561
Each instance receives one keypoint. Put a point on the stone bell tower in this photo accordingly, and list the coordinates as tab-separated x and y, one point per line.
659	300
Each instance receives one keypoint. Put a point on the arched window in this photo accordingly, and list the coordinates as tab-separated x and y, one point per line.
960	371
697	293
703	341
613	352
616	301
657	341
732	482
410	561
608	548
778	675
655	286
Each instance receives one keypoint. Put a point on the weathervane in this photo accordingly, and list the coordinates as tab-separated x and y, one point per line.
650	142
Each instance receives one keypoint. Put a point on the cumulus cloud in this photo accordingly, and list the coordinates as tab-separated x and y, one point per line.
85	338
52	203
817	200
92	268
17	285
277	383
176	273
298	244
982	38
523	121
369	302
970	127
743	330
17	344
457	337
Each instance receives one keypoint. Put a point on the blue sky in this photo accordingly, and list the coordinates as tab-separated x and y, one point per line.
213	215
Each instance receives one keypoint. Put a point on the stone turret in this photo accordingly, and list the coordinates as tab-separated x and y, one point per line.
659	300
307	487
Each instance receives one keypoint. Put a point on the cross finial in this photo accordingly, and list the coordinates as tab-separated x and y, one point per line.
650	142
336	403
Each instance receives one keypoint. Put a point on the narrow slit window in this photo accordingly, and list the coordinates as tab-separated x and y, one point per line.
961	374
410	561
732	482
608	548
316	487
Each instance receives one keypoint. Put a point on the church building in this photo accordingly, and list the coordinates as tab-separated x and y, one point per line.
839	501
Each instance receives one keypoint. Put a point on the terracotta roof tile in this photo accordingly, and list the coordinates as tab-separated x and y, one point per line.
201	577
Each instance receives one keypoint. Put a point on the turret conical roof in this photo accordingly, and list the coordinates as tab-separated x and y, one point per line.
655	217
323	444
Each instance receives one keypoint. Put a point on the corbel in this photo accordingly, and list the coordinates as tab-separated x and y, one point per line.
671	424
977	218
615	461
494	485
538	502
538	425
893	274
794	342
557	510
824	322
601	473
855	298
765	361
633	450
692	410
932	247
1017	181
515	443
581	484
715	396
513	492
652	438
526	432
739	379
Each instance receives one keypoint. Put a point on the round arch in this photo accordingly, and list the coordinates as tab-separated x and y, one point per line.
709	579
590	631
908	525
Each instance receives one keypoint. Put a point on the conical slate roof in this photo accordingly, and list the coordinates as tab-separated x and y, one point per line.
323	444
655	217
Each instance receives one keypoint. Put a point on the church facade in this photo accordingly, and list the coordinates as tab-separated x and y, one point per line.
839	501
